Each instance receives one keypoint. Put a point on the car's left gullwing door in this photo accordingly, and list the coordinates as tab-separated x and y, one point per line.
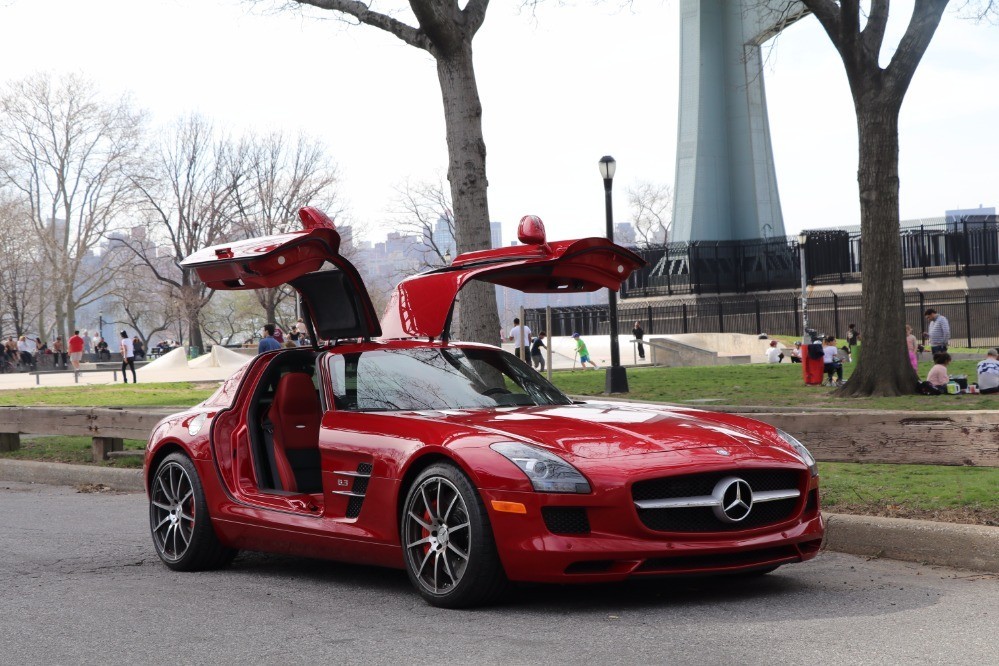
421	305
335	298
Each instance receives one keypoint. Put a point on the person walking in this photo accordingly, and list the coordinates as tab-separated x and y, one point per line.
520	336
537	359
127	350
76	350
268	342
938	330
584	354
639	333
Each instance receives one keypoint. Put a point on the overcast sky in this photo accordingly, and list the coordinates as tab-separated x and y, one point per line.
560	89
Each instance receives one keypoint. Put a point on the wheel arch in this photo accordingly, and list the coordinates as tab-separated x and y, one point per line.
420	463
162	451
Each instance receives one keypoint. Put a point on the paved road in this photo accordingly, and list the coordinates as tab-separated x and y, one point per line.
80	584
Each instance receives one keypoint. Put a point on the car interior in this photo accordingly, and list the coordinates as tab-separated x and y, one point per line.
284	417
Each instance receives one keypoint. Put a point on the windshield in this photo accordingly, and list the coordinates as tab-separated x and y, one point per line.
437	378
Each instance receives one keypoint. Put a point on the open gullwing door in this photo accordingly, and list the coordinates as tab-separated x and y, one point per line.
421	305
334	295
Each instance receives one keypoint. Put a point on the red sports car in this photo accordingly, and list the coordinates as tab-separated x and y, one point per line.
390	444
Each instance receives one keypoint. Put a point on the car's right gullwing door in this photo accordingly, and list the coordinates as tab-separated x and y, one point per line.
421	305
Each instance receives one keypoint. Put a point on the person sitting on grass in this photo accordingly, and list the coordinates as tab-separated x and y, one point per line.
774	354
796	352
988	372
831	362
938	377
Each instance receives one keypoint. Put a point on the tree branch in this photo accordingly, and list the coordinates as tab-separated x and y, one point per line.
363	14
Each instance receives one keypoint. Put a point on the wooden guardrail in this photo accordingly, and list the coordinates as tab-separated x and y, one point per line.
107	427
922	438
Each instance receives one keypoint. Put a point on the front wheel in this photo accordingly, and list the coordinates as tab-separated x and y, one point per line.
178	519
449	549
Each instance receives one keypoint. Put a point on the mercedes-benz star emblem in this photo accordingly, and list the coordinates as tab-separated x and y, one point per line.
736	499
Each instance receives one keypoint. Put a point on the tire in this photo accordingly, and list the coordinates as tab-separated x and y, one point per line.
456	567
179	523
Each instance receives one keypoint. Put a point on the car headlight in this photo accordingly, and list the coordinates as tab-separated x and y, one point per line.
548	473
800	449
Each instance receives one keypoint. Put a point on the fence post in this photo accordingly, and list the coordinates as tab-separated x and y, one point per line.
922	251
759	324
967	310
649	317
797	320
835	315
684	317
721	317
922	309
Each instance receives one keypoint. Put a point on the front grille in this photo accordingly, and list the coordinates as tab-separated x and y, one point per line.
703	519
566	520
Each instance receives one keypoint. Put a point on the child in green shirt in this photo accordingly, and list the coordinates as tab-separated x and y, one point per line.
584	355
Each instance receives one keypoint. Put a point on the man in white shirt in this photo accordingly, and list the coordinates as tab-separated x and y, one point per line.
127	349
988	372
521	337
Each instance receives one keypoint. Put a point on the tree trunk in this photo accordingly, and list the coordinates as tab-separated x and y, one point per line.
883	368
479	320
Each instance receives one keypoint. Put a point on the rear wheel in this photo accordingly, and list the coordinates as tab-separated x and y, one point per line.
178	519
448	542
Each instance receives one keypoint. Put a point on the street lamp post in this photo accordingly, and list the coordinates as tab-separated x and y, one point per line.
806	339
616	380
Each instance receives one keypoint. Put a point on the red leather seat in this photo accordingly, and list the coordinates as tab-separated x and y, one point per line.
295	415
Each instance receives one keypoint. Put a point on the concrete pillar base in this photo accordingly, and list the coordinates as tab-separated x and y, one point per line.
10	441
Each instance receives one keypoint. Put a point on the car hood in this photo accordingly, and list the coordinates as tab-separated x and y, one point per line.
607	430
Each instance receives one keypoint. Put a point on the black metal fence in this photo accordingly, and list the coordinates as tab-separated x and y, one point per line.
973	315
969	246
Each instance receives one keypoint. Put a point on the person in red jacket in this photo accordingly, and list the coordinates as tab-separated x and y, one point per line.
75	349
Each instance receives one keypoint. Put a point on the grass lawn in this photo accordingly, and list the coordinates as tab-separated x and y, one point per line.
953	494
177	394
76	450
772	385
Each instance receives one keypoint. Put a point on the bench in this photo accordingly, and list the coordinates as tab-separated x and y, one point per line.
107	427
76	374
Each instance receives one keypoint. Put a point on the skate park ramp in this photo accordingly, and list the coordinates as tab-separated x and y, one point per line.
695	349
173	366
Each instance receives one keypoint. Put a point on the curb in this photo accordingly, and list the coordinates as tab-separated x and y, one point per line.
974	547
63	474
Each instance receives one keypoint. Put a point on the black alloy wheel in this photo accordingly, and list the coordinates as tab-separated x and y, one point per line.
178	519
448	542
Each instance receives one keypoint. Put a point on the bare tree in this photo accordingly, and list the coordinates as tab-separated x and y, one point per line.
652	211
190	195
19	268
232	318
424	212
139	301
857	31
445	29
70	155
284	174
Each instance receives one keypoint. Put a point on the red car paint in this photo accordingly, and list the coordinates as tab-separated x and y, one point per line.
614	445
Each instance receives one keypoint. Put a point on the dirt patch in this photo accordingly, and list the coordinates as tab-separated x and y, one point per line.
94	488
963	515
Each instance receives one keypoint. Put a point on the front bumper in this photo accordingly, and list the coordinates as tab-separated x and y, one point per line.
618	546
